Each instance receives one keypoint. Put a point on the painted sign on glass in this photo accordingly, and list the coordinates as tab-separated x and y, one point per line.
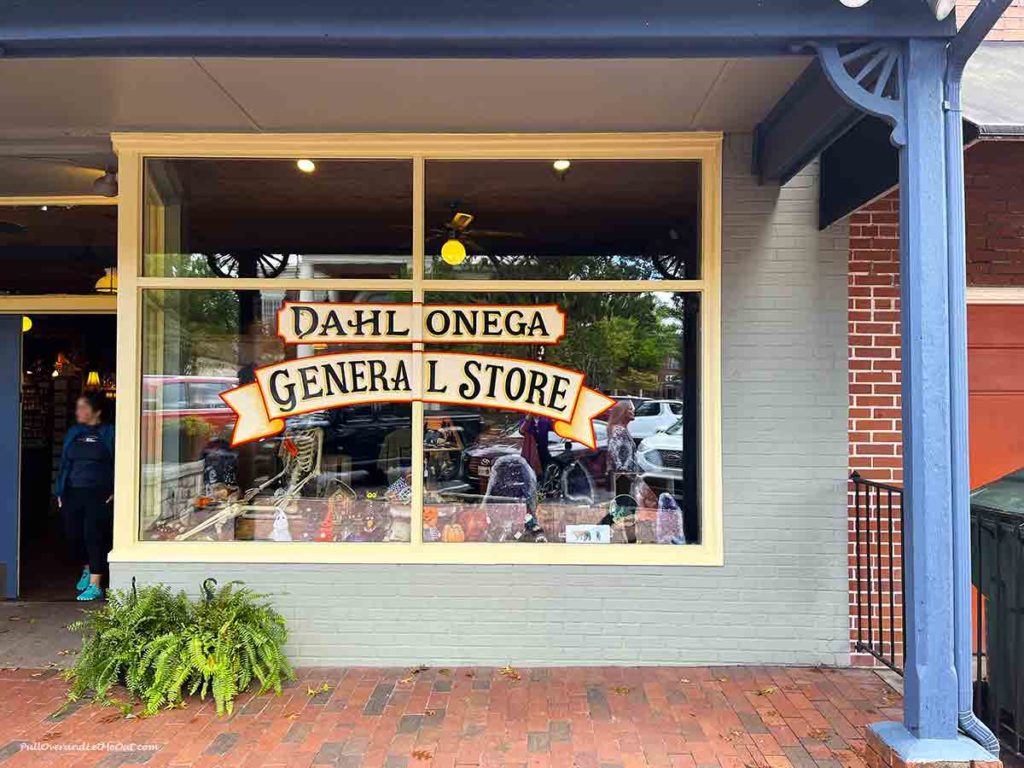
336	380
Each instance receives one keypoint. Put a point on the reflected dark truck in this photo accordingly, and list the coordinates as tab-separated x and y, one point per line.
377	438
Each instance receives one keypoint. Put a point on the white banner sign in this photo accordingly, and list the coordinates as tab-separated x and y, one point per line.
320	382
310	322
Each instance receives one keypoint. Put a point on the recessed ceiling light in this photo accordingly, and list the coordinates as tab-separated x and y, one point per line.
561	165
306	166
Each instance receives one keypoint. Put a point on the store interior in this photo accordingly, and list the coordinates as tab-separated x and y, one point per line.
62	356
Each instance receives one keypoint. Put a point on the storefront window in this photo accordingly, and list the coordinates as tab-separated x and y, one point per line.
329	475
420	387
272	219
497	475
591	220
58	249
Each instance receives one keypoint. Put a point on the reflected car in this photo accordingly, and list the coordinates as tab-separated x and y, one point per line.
661	454
654	415
180	398
478	459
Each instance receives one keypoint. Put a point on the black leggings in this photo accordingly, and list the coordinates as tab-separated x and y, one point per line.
89	524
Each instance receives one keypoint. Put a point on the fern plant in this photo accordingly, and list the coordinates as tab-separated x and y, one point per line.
163	647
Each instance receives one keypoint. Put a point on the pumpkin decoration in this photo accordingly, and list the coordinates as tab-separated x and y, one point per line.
474	523
453	533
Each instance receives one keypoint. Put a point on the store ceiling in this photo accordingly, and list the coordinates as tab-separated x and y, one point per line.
70	100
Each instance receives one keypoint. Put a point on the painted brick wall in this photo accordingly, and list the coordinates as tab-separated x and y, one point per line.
994	183
1009	27
781	598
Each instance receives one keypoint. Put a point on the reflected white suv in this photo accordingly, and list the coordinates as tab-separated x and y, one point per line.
661	454
655	415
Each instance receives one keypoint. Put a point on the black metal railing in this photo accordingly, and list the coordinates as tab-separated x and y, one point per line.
878	570
997	554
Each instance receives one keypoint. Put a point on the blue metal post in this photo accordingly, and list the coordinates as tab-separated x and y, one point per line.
10	444
930	708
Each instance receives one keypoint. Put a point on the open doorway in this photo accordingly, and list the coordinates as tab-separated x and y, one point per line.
62	357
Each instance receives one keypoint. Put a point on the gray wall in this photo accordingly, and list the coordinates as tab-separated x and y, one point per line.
781	597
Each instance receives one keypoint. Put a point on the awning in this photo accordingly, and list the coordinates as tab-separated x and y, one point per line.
862	164
993	90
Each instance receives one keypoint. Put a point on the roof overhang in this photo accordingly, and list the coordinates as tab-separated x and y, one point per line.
448	28
862	164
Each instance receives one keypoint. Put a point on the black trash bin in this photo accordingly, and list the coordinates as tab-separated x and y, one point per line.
997	566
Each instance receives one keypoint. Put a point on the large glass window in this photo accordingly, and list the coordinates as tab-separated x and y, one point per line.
387	367
58	249
329	475
497	475
272	219
587	220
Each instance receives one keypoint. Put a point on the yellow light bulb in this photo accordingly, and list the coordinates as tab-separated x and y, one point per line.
561	165
26	324
306	166
453	252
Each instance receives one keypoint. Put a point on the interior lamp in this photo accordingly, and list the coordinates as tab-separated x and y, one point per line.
453	252
93	379
108	282
26	324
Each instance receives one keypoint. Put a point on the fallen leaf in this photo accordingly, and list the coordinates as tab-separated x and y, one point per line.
292	715
508	671
422	754
66	652
469	674
419	669
429	712
622	690
722	679
684	680
405	681
820	734
767	691
310	691
445	672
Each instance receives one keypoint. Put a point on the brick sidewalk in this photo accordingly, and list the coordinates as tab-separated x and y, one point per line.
592	718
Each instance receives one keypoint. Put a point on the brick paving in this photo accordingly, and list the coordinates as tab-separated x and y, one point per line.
719	717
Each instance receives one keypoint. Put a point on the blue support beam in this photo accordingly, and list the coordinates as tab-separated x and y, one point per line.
931	685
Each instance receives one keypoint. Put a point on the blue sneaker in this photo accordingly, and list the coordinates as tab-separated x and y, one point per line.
83	580
90	593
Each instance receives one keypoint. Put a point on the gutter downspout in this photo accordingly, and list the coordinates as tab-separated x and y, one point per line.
961	48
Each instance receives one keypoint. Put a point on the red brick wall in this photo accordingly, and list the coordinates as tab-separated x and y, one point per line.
994	181
1009	27
874	412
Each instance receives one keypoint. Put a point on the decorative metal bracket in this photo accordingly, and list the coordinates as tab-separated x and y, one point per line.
869	76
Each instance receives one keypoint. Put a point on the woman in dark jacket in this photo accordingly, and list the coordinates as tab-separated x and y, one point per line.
85	491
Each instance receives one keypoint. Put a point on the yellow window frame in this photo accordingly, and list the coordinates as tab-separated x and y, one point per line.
133	148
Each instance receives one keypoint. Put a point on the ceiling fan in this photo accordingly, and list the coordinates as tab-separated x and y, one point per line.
460	227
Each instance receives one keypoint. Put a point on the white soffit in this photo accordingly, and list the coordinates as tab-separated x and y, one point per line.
50	97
